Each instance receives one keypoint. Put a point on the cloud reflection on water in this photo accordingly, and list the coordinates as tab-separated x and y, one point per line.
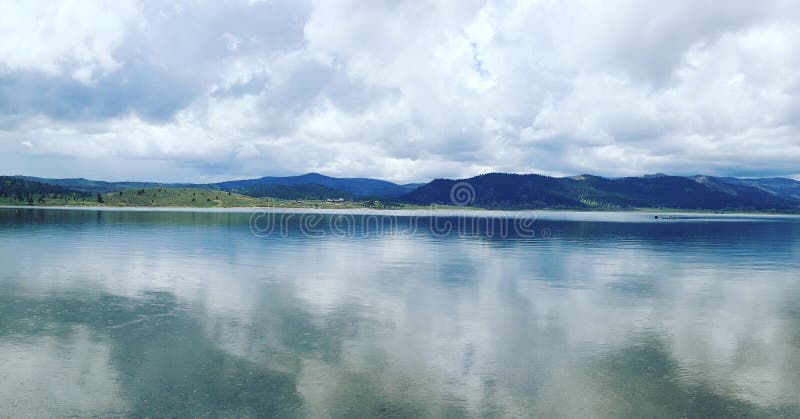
601	319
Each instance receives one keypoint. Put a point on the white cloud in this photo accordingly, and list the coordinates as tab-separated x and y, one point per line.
78	37
409	91
231	41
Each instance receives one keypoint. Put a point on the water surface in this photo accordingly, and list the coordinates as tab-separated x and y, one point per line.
149	313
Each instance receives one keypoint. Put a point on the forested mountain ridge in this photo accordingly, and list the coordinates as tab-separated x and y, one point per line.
492	190
22	191
503	190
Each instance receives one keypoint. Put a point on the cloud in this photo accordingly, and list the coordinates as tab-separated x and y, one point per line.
73	37
401	90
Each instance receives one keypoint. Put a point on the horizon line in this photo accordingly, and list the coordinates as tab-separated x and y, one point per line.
790	177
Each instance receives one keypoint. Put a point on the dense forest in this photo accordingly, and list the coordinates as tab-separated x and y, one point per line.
23	191
513	191
303	191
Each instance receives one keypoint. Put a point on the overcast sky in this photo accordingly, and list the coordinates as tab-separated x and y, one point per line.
405	91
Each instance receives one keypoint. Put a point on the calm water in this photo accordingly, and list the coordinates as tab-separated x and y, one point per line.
191	314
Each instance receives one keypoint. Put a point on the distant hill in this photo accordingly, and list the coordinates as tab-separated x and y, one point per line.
351	186
501	190
493	190
783	187
300	191
497	190
673	192
743	189
178	197
99	186
308	186
14	190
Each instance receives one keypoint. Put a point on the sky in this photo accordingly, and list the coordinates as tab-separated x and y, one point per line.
404	91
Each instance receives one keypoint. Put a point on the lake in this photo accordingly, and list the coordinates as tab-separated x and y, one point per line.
228	313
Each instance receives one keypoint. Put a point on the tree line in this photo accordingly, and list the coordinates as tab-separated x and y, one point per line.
29	191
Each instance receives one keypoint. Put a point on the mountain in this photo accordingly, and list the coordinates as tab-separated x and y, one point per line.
352	186
497	190
782	187
501	190
493	190
308	186
27	191
299	191
745	189
99	186
664	191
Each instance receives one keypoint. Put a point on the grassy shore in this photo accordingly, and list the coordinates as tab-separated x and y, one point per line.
187	198
209	198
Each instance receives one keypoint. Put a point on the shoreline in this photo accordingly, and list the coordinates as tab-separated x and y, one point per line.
433	210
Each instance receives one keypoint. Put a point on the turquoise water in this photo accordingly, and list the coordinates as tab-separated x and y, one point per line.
147	313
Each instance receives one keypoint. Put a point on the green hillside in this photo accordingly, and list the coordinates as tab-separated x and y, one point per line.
210	198
161	197
154	197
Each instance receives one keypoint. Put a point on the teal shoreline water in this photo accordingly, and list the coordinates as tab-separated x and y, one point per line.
575	215
113	312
